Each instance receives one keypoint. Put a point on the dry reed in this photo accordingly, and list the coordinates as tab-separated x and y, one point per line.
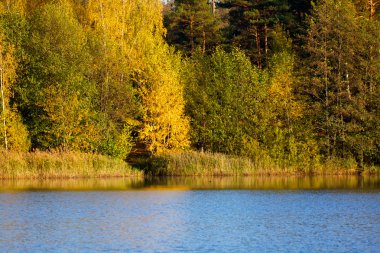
56	164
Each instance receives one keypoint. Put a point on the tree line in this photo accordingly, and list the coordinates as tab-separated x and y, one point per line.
297	81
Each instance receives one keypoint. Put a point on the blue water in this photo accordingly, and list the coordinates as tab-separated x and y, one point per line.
190	221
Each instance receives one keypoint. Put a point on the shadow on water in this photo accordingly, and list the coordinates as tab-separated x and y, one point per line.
198	183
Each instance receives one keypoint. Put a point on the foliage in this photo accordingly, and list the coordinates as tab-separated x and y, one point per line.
52	90
164	123
214	86
116	144
250	25
340	81
139	65
192	24
225	99
17	133
89	69
13	133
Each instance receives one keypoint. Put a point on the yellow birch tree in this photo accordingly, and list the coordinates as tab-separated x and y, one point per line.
14	135
131	33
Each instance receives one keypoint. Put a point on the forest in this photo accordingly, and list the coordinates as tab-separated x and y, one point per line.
296	81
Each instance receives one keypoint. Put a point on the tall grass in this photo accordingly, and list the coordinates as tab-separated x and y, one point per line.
56	164
192	163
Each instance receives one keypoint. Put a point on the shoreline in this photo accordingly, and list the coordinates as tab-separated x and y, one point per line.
57	165
193	163
60	165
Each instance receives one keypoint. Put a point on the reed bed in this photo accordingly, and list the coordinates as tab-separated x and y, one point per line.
56	164
193	163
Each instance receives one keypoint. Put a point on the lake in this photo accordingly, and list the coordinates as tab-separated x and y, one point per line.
248	214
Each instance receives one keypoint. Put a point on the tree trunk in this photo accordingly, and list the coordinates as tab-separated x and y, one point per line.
204	42
326	97
372	8
122	40
103	23
266	42
258	48
372	11
213	7
192	33
3	104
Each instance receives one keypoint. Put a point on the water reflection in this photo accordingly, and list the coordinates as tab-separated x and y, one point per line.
72	184
270	182
187	183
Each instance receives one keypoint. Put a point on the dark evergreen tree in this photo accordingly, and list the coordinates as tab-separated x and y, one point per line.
192	24
340	80
251	24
